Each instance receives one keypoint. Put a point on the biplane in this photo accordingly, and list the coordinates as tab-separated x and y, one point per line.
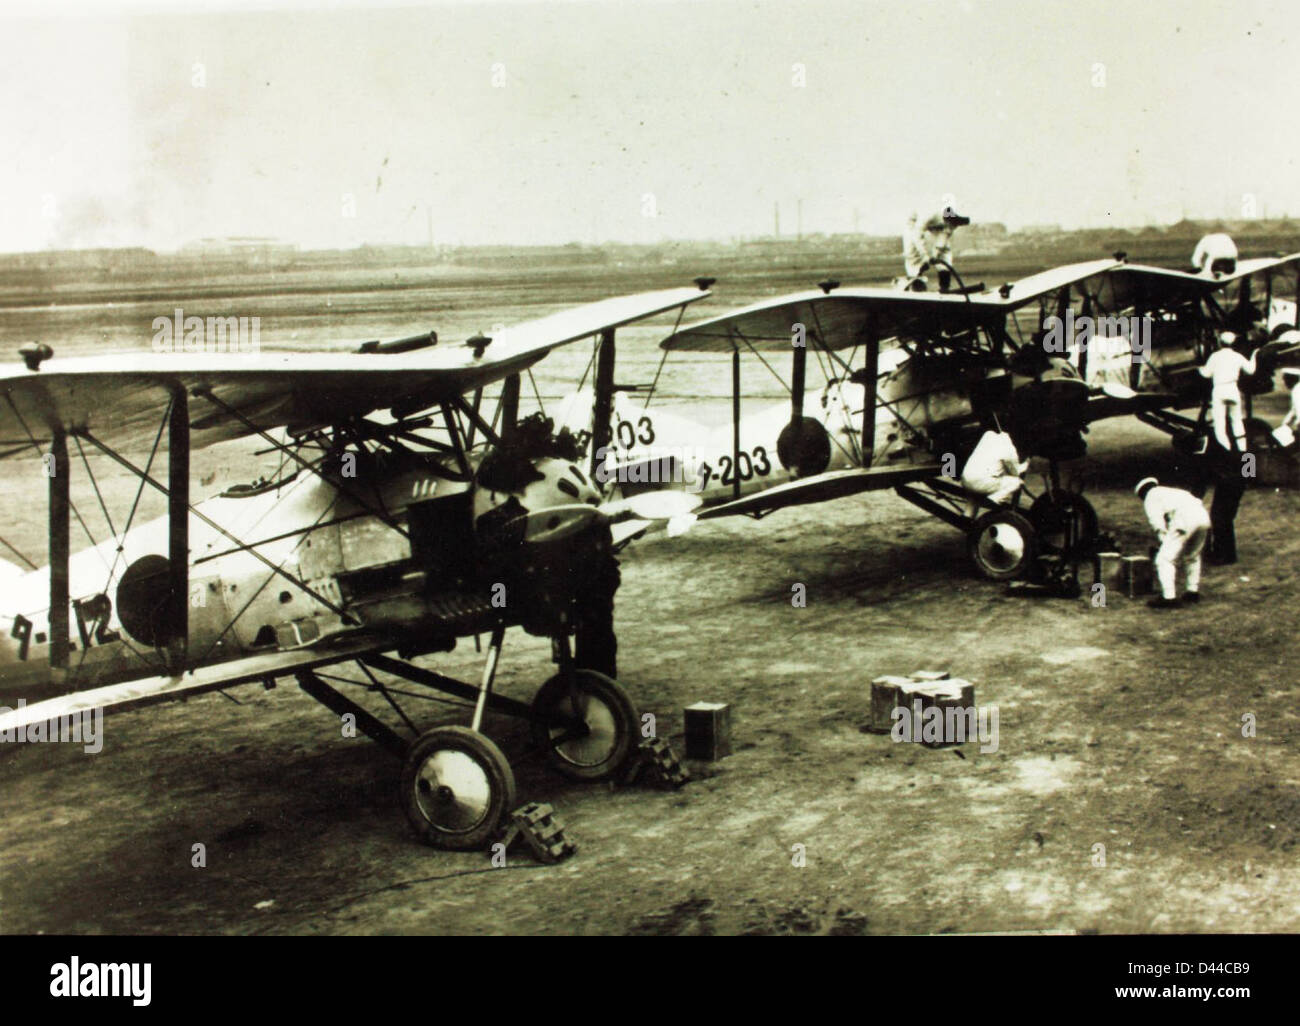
406	516
910	380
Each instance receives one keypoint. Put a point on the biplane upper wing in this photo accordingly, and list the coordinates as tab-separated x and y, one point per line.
117	398
1143	285
840	319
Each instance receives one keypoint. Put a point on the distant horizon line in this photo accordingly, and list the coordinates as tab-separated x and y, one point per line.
250	242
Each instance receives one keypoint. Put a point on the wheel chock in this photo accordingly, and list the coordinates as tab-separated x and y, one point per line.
537	825
656	759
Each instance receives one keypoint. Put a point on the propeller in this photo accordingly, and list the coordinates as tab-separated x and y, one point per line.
663	504
678	526
675	507
556	522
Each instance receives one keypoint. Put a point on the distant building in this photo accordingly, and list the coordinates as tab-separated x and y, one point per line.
251	250
570	254
110	260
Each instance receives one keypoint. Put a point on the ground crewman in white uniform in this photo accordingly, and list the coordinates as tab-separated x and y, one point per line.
927	240
1214	255
993	470
1181	524
1291	379
1224	369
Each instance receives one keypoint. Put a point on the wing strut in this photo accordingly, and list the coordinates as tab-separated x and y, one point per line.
798	374
604	405
1086	311
871	393
509	406
178	530
378	514
476	422
735	421
60	550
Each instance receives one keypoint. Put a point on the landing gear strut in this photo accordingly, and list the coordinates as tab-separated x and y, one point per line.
586	724
1005	543
456	786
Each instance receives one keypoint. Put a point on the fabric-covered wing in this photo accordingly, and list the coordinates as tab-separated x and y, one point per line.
120	398
1044	283
1104	404
135	694
841	319
835	484
1149	287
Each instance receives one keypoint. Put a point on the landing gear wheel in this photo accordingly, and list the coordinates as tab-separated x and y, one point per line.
603	738
457	788
1058	516
1002	544
1259	435
1190	443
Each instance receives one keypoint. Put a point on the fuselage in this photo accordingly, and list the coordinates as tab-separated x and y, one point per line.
237	604
656	448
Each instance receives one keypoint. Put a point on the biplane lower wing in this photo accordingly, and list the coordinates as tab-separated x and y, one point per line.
1116	404
155	690
835	484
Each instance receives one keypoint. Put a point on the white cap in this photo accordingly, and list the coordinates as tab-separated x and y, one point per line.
1137	489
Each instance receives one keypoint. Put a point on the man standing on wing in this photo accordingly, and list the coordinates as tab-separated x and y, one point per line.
928	241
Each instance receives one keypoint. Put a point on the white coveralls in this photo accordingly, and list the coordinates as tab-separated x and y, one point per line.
1224	368
994	470
924	242
1292	418
1181	523
1217	249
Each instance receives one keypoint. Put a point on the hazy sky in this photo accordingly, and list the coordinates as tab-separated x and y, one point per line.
335	124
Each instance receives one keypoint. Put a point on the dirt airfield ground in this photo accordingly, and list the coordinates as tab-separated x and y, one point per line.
1118	726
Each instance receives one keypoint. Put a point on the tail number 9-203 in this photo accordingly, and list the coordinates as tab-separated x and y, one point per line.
746	466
